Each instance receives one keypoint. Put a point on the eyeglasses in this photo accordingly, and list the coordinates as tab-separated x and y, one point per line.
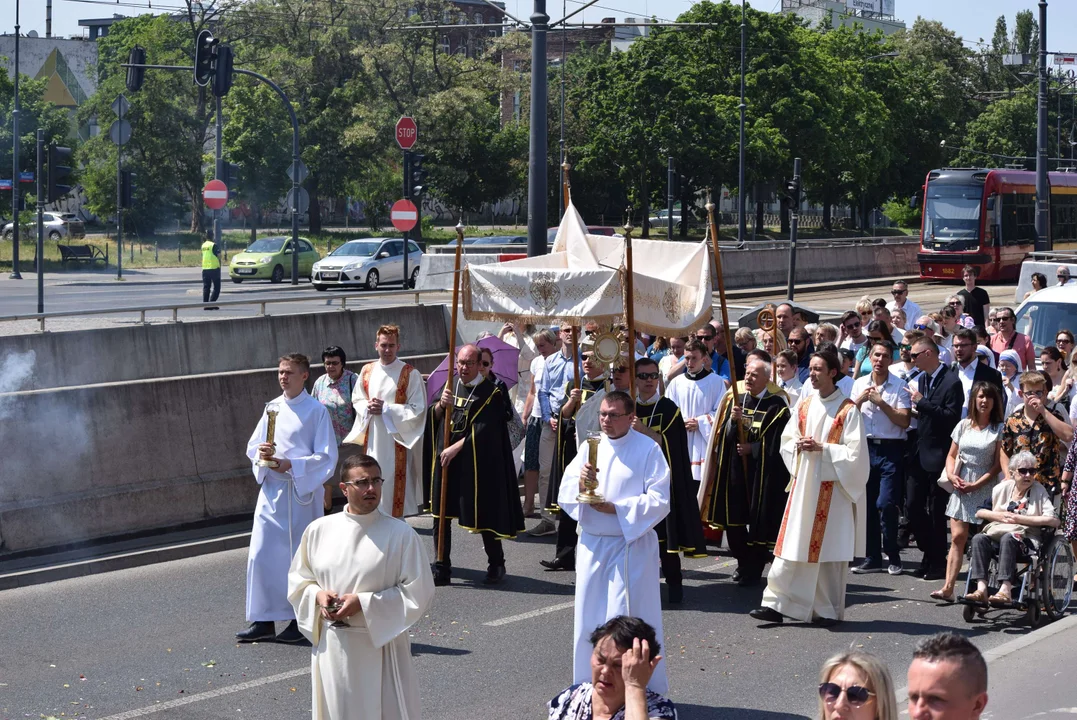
647	376
895	293
916	355
953	303
796	341
962	345
705	338
852	326
331	363
1006	318
919	326
992	320
1063	341
1062	277
1032	393
1025	471
368	483
466	363
904	346
607	414
857	695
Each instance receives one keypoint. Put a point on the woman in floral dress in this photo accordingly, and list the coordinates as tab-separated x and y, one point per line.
972	467
1069	499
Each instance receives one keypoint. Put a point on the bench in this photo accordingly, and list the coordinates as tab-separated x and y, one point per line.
88	254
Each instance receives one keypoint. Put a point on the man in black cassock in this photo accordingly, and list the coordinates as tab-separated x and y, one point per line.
748	507
575	418
482	492
660	419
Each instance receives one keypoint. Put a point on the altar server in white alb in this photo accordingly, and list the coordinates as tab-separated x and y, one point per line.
697	393
825	518
305	452
390	416
359	580
617	553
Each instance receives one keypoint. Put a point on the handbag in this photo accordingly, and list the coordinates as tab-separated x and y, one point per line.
998	530
944	479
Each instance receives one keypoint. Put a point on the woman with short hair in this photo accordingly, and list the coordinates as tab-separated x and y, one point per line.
626	652
1020	506
856	686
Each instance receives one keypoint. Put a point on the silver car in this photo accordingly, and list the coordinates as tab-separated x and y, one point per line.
367	263
57	226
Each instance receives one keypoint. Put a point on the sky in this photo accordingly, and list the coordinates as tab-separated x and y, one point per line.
973	20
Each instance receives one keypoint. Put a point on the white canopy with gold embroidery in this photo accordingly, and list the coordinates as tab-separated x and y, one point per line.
583	279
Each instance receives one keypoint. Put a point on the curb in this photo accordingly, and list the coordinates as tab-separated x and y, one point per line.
122	561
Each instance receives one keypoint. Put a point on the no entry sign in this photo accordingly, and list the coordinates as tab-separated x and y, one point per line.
215	193
404	215
407	132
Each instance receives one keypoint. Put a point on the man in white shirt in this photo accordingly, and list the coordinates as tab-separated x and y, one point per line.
883	401
901	301
540	439
852	331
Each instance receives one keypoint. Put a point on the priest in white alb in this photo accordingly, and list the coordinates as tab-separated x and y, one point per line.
359	580
617	552
303	455
697	392
826	452
390	417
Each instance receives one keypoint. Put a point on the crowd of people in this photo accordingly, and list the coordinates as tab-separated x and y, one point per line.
814	449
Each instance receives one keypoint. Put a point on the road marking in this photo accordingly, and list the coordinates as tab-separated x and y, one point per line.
529	615
220	692
709	568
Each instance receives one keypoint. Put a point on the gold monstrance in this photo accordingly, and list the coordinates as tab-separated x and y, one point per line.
271	429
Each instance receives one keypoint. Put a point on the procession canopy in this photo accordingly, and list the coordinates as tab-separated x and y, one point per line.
583	279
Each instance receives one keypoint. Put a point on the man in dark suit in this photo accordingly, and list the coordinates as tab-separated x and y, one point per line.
937	403
968	367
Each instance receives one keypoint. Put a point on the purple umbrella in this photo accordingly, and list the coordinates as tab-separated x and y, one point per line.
506	367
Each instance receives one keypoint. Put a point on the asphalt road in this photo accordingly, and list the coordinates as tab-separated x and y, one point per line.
69	292
123	644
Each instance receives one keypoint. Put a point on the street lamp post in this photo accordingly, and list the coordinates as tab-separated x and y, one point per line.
742	107
536	176
1043	193
15	274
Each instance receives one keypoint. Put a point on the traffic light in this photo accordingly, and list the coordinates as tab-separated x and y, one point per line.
205	52
59	170
127	189
230	177
222	71
792	191
135	76
418	175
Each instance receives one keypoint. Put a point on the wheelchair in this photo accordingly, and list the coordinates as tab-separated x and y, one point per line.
1043	589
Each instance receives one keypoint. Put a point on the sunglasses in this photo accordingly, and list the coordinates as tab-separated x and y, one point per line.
647	376
919	326
895	293
1025	471
916	355
1062	277
852	326
857	695
1063	341
904	346
796	341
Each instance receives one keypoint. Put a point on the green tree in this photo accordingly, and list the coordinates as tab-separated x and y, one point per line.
1026	33
1006	129
35	112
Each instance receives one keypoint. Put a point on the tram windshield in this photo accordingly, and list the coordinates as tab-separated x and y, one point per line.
952	217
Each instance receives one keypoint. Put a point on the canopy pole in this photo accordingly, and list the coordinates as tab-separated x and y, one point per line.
630	314
725	322
565	184
575	358
447	414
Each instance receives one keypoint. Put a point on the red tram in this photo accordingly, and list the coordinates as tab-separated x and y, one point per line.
987	218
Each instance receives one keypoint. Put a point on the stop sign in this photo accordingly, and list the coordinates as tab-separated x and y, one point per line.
404	215
407	132
215	193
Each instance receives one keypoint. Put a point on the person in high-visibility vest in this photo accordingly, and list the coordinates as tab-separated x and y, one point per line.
211	272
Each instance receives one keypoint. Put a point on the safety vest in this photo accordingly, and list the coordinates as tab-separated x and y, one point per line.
209	260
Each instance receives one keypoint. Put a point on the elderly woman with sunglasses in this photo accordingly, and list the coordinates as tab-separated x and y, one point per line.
1020	506
856	686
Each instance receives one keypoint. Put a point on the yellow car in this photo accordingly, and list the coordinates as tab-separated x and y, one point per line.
270	259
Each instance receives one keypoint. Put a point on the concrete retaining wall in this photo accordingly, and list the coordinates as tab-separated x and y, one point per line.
95	461
755	267
140	352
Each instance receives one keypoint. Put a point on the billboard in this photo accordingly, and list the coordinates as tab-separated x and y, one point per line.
879	7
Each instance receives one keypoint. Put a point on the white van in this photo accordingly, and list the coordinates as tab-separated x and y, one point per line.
1046	312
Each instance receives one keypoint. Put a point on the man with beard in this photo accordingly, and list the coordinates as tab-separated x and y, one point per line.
743	492
660	419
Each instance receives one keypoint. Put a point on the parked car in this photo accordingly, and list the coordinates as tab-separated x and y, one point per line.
491	240
58	226
270	258
608	230
661	219
1045	312
367	263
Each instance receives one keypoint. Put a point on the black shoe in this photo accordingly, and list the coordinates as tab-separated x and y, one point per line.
676	594
748	581
767	615
494	575
441	575
825	622
556	565
931	575
291	635
257	631
736	575
868	566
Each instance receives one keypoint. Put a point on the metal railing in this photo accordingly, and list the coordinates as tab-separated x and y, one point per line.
747	245
174	308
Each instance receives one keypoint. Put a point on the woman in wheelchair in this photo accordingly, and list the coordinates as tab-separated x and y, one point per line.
1020	506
